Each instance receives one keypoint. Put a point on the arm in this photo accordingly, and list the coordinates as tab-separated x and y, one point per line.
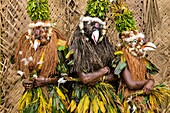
94	76
41	81
147	85
37	82
111	77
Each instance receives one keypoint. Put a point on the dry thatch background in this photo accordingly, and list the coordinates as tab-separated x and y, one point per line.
66	13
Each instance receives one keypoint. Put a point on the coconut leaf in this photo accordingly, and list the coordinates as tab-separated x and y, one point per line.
83	104
95	105
151	17
50	104
123	17
72	106
103	98
41	60
60	94
97	8
120	67
126	110
69	54
38	10
151	68
54	107
60	48
101	106
111	109
118	53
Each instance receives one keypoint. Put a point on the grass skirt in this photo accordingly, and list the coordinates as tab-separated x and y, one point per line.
35	101
99	98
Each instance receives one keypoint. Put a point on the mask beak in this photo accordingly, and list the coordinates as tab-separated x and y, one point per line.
149	47
95	36
36	44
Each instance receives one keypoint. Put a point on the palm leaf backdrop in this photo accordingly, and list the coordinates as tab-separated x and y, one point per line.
151	16
66	14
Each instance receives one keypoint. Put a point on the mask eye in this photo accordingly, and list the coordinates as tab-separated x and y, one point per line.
45	28
94	29
135	41
101	26
37	32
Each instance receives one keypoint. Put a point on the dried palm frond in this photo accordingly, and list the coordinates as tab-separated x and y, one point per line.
98	98
34	101
151	16
154	101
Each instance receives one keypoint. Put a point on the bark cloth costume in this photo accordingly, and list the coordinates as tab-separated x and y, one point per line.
136	88
41	63
92	69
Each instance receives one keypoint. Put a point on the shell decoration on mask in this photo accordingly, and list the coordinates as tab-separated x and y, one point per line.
131	38
39	33
98	28
136	43
38	56
95	14
131	52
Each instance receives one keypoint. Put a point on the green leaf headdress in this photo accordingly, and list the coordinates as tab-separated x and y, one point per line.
95	12
123	17
133	40
38	10
97	8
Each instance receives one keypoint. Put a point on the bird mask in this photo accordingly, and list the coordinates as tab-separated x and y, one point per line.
136	43
93	28
39	34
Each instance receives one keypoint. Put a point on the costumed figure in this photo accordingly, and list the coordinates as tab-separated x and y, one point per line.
92	64
136	87
40	59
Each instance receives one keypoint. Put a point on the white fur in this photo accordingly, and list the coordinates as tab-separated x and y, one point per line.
92	19
31	25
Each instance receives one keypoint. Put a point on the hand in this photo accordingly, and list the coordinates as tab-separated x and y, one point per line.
40	81
27	84
34	82
148	86
108	70
111	77
92	77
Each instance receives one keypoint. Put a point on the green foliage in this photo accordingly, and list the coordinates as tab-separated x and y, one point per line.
97	8
125	21
120	67
60	48
33	108
62	66
151	68
99	98
121	96
38	10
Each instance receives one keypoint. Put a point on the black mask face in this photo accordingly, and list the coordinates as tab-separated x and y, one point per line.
92	31
88	29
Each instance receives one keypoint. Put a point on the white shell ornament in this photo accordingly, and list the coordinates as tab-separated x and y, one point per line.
95	36
36	44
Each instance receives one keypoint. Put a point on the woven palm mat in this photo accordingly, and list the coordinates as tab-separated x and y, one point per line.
66	14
